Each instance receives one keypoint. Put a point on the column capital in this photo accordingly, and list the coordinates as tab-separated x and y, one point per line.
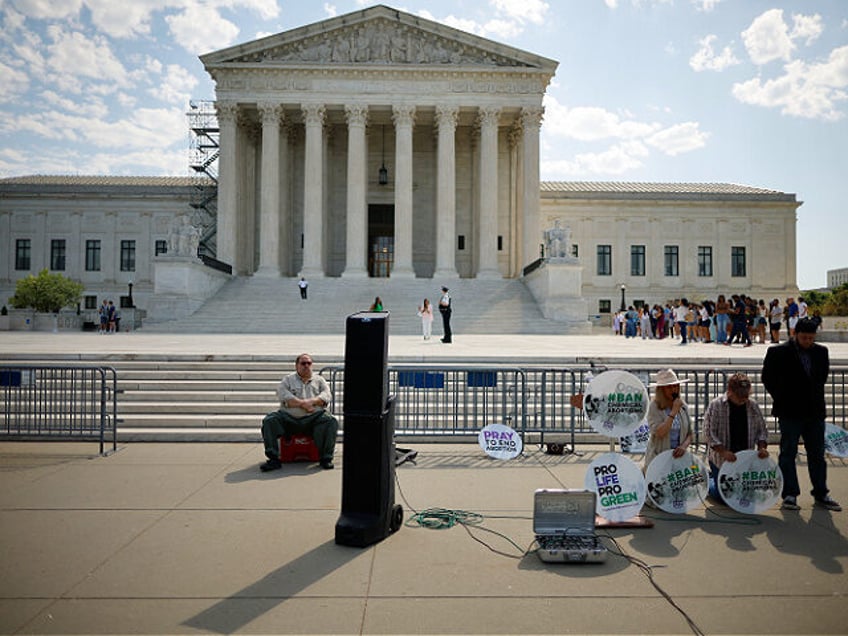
488	116
356	114
271	112
313	114
447	116
531	117
226	111
403	114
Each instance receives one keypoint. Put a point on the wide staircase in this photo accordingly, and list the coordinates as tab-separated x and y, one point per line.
273	305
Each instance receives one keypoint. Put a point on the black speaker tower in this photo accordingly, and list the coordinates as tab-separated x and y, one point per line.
369	513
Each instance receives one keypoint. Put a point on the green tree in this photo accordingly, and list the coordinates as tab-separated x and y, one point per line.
46	292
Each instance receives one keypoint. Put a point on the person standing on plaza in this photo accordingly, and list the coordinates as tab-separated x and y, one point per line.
445	310
425	312
794	373
740	321
775	319
303	285
733	422
722	309
304	399
792	310
681	313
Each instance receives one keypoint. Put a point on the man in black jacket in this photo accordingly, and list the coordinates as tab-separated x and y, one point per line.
794	374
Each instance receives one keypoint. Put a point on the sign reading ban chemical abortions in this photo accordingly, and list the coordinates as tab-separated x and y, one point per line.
677	484
835	440
750	484
620	486
615	403
500	441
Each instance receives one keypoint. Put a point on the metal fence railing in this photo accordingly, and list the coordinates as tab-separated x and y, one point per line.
59	402
453	401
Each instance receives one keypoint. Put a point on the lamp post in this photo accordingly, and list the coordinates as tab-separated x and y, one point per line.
130	299
623	304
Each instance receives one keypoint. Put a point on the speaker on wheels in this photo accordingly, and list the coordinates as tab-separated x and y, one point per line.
369	513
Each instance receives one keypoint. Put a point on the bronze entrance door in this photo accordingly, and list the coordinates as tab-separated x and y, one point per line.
381	240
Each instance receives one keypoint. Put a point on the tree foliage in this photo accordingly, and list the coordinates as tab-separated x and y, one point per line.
832	303
46	292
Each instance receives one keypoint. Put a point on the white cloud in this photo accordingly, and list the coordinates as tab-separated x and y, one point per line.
73	54
706	59
616	160
767	38
504	29
705	6
48	9
812	91
679	139
176	87
533	11
807	27
14	82
590	123
217	32
330	10
508	22
122	19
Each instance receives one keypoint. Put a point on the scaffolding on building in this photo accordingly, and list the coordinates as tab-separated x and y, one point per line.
204	150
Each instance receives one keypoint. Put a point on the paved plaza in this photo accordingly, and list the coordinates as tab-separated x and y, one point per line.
192	538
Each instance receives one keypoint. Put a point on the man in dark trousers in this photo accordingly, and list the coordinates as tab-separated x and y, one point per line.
794	374
445	310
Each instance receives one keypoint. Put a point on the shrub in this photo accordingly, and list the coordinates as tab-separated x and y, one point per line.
46	292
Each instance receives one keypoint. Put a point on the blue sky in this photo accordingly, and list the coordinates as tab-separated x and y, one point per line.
743	91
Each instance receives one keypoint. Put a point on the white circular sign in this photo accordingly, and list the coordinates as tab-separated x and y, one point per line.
620	485
836	440
637	441
677	484
750	484
500	441
615	403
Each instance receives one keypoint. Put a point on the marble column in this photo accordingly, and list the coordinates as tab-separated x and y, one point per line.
313	197
227	183
404	119
269	202
487	229
446	118
357	217
531	122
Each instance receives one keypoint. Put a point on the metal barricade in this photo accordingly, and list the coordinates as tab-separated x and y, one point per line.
448	401
59	402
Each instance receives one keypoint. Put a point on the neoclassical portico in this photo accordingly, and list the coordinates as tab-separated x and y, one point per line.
308	118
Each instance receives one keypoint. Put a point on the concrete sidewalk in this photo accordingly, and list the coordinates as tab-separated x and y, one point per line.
186	538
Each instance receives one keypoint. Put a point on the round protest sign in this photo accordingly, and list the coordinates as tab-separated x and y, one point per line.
637	441
750	484
677	484
500	441
620	486
615	403
836	440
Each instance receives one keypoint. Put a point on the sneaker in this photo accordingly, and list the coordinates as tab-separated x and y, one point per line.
830	504
790	503
327	464
271	464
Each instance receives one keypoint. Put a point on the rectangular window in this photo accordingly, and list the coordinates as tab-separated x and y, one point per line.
127	256
91	302
500	243
161	247
737	261
604	260
23	254
705	260
92	255
460	242
57	255
637	260
604	306
672	260
574	251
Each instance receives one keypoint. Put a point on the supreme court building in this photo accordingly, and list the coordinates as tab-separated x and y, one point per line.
378	143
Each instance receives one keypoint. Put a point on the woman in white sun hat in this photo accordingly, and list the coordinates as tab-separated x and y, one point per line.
668	417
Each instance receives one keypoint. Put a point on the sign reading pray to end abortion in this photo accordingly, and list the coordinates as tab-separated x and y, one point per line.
750	484
615	403
836	440
677	484
500	441
620	486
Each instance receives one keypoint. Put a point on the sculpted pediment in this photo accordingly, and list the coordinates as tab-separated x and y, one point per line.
377	36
